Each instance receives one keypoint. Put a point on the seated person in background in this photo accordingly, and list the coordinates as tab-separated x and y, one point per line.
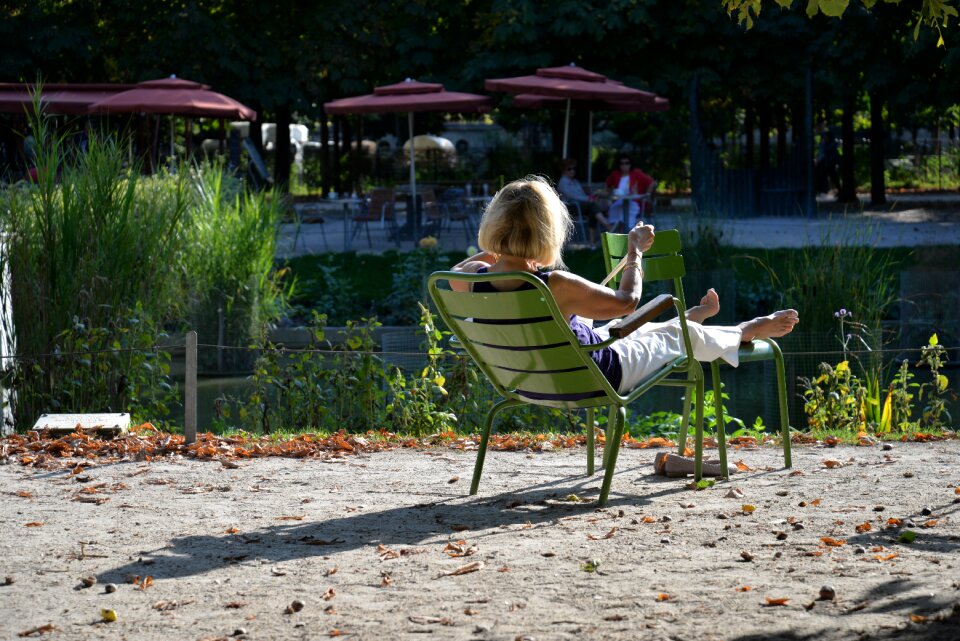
592	208
524	228
628	180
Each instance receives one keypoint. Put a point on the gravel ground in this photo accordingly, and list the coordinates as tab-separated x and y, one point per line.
389	546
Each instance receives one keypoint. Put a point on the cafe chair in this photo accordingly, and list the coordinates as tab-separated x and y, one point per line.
525	347
663	262
378	206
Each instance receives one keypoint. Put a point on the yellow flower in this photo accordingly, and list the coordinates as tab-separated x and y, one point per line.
428	242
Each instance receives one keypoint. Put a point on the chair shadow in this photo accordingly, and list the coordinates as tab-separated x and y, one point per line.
407	525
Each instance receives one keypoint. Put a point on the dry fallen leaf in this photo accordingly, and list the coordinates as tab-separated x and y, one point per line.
918	618
888	557
929	523
232	530
743	467
832	542
467	569
290	518
235	605
744	588
734	493
24	494
386	553
863	527
663	596
429	620
815	502
893	522
470	612
385	579
771	601
42	629
649	519
146	583
329	594
34	524
608	535
748	509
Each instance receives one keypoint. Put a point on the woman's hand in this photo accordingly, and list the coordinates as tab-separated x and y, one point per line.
641	237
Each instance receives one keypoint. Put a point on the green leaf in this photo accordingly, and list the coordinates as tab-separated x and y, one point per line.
703	484
833	8
590	566
908	536
812	7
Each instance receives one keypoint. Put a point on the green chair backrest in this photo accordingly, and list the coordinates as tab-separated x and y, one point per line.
521	341
662	262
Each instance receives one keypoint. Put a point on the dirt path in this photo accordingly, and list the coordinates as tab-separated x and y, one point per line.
368	545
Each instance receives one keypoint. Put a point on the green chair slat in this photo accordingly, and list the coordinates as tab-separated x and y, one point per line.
498	306
575	382
662	268
550	358
529	334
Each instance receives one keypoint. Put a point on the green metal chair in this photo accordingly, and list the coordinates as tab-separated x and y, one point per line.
663	262
523	344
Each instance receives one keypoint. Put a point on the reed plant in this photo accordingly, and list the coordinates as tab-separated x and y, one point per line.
232	288
839	273
88	242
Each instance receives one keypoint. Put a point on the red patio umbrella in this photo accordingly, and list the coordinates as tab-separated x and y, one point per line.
408	97
571	83
70	99
175	97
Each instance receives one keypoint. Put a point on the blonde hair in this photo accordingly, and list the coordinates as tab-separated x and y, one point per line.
526	219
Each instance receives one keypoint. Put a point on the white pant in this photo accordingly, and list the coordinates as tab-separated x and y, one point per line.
655	344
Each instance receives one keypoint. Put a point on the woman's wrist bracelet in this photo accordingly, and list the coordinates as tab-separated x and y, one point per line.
633	263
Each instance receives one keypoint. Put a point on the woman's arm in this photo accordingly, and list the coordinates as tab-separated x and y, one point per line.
470	266
576	295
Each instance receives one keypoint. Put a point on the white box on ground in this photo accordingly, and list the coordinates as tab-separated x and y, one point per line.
66	423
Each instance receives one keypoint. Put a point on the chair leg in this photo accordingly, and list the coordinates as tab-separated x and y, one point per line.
590	444
485	438
608	435
721	422
685	420
784	413
698	432
621	413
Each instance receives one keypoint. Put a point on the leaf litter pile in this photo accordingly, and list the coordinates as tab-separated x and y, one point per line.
146	443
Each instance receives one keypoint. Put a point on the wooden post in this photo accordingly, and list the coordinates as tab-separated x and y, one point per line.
190	391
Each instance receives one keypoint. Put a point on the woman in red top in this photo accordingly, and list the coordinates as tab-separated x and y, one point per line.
628	180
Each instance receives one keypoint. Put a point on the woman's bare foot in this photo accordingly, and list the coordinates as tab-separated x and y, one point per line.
709	306
776	324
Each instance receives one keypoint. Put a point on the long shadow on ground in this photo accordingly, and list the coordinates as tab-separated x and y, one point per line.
413	524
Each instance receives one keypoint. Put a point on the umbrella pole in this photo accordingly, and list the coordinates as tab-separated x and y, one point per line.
413	182
566	129
171	141
589	148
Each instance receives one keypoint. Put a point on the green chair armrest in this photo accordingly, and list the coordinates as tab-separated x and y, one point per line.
642	315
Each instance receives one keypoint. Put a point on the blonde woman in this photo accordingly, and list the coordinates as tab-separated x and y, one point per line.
525	227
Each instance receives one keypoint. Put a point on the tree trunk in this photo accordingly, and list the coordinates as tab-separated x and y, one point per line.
781	134
764	112
256	127
877	188
324	155
282	157
748	126
848	180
